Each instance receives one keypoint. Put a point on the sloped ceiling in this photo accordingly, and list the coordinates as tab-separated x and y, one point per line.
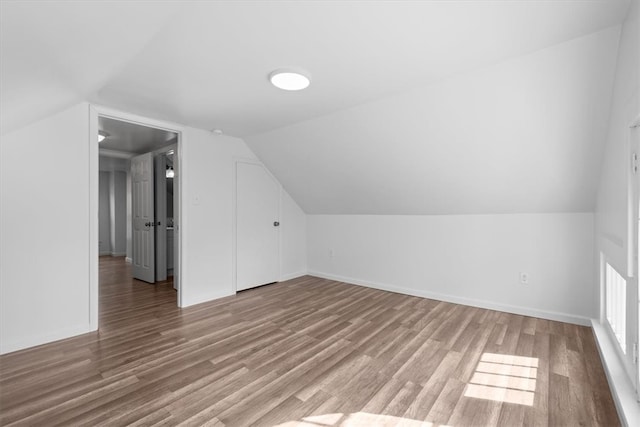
54	54
414	107
525	135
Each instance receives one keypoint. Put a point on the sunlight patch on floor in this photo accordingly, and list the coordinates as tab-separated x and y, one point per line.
325	419
504	378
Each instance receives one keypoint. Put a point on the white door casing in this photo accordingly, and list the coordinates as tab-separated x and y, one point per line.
143	217
257	226
160	185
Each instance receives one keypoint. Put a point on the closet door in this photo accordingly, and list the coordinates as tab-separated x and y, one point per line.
257	222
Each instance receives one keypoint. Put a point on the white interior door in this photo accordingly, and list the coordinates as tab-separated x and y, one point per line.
143	218
257	221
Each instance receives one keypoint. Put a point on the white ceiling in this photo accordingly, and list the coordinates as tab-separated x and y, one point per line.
133	138
525	135
54	54
205	64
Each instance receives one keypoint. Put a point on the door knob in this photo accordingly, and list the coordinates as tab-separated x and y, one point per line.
276	224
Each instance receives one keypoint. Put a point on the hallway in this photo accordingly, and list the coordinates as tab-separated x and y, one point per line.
123	297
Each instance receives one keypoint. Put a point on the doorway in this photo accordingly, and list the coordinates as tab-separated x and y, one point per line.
121	138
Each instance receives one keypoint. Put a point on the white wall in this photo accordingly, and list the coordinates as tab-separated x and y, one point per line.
522	136
113	189
44	262
44	223
293	238
469	259
129	217
208	182
104	213
613	234
118	217
612	191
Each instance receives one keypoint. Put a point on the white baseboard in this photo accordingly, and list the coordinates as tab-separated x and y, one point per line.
204	298
21	344
115	254
290	276
104	253
524	311
128	260
621	387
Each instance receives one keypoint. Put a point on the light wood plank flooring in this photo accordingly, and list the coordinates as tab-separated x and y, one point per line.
307	352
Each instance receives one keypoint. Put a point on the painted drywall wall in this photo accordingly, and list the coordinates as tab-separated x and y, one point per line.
118	212
613	231
522	136
104	213
293	238
108	164
468	259
117	171
42	299
129	219
208	200
612	202
44	223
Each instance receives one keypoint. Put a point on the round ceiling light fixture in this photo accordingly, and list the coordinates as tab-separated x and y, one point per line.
287	79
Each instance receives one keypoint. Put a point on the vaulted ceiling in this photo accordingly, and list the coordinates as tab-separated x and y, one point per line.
414	107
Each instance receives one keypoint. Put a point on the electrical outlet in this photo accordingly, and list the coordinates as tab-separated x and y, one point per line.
524	278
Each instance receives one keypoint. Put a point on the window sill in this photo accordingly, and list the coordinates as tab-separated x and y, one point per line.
621	387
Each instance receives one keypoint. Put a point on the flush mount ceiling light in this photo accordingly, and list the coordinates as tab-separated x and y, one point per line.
289	79
102	135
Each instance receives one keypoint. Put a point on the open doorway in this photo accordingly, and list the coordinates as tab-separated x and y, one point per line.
133	242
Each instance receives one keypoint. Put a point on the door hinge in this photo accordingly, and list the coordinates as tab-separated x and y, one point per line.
634	163
635	353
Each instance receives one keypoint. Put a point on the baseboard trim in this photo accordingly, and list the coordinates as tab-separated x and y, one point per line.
128	260
11	346
523	311
621	387
118	254
291	276
203	299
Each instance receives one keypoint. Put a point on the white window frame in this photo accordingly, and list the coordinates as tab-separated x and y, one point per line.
615	286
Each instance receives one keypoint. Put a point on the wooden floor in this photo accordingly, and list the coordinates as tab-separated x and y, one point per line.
307	352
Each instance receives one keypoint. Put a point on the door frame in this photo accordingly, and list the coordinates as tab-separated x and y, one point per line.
160	205
234	239
633	249
96	111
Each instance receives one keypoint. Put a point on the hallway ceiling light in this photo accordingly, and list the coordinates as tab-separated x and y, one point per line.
170	172
289	79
